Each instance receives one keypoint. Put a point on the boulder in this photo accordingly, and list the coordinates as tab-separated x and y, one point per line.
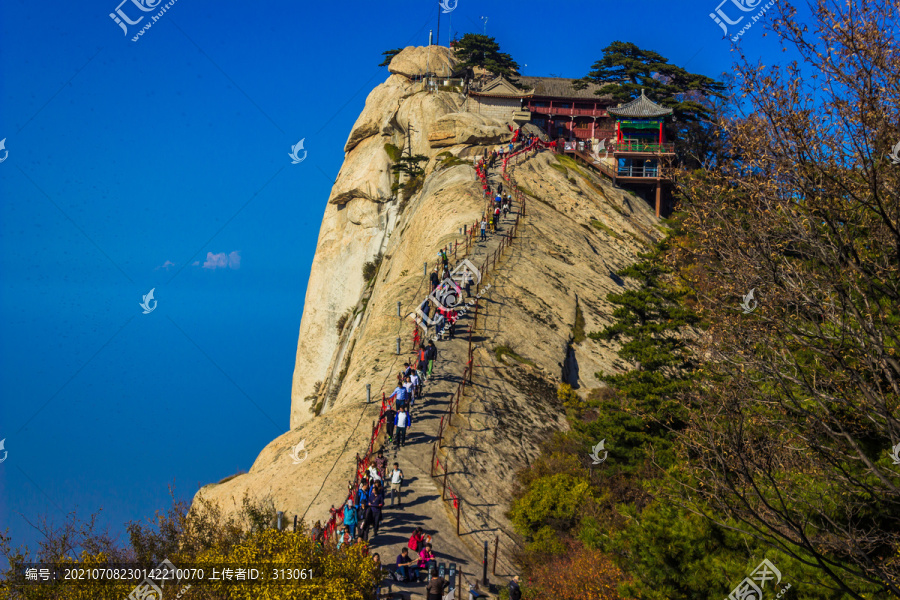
381	104
419	110
414	61
366	173
467	128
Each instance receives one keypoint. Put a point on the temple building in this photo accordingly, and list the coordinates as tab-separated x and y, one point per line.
551	103
638	157
625	142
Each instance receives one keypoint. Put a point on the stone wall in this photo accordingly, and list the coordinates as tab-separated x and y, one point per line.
496	108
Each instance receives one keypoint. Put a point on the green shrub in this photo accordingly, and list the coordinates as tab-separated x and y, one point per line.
569	397
371	268
501	351
578	334
546	541
605	229
557	501
393	152
343	320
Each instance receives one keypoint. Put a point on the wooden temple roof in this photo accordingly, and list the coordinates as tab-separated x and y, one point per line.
640	107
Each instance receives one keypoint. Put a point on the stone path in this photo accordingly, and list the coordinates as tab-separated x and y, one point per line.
422	504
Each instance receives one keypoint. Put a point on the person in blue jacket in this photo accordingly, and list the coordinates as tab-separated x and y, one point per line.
350	517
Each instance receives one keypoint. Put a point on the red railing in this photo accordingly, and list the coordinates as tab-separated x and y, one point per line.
570	112
437	468
362	464
336	518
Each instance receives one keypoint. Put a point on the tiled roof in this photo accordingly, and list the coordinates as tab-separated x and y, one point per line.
640	107
540	87
560	87
501	87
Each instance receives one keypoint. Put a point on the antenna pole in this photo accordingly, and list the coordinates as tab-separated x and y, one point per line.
438	36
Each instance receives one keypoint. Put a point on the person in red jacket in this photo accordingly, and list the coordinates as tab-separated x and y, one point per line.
416	540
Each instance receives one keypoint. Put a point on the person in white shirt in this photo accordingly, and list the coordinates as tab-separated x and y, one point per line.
410	391
402	422
396	483
414	378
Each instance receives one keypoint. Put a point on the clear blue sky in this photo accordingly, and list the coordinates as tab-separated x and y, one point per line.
131	161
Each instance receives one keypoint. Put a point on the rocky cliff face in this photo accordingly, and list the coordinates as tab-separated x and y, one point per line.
577	233
362	211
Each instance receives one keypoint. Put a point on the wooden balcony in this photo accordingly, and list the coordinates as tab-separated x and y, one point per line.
584	133
637	147
568	112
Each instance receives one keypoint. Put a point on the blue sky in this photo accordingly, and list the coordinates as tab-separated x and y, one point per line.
139	165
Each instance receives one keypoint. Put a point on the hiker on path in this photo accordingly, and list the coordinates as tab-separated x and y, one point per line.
426	558
436	586
400	397
417	383
376	504
434	279
396	485
389	415
445	260
402	422
483	229
439	323
406	569
410	391
423	362
380	460
514	592
416	540
350	519
362	496
368	523
345	537
431	356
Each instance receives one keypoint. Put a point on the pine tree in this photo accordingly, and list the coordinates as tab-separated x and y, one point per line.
476	50
651	323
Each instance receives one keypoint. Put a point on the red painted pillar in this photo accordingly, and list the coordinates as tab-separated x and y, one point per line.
660	132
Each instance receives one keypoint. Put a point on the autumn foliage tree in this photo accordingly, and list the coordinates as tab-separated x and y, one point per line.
581	572
792	437
198	537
